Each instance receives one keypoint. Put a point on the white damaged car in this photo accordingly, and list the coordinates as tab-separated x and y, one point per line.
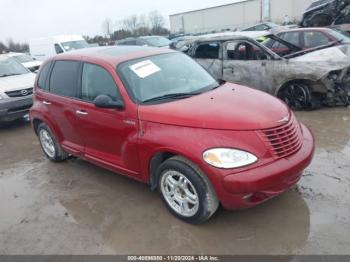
304	79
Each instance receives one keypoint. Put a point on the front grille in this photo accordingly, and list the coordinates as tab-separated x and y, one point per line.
20	93
20	108
284	140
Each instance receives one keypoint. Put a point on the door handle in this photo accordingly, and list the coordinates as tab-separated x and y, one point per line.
230	68
83	113
46	103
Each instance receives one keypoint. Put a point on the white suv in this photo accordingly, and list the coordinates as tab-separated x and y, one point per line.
16	89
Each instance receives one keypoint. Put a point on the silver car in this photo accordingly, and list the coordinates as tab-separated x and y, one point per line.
16	89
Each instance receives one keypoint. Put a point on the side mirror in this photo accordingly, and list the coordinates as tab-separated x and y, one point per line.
184	49
105	101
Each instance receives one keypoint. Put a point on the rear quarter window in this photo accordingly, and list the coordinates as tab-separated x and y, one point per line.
42	80
64	78
292	37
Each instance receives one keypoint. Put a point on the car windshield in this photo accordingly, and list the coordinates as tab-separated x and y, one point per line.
164	77
10	67
272	25
157	41
24	58
341	36
73	45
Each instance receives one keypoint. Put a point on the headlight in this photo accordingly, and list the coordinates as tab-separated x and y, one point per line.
334	75
1	97
228	158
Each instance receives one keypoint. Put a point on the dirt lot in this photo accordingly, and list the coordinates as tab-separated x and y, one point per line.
77	208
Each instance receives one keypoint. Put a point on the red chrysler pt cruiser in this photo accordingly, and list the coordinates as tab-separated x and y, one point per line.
156	116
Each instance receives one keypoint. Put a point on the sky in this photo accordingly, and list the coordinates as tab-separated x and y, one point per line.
21	20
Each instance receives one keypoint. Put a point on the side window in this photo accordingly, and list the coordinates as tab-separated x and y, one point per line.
97	81
131	42
208	51
292	38
278	45
244	51
58	49
269	43
313	39
64	78
140	42
42	83
261	27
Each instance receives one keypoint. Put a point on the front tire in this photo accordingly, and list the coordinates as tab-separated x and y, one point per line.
298	96
186	192
50	145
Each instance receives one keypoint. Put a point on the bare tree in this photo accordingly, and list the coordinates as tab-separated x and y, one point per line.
16	46
130	23
107	27
3	48
156	21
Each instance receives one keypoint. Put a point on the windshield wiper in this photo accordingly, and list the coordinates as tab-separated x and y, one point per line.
170	96
6	75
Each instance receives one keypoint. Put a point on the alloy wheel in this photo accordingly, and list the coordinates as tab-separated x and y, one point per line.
179	193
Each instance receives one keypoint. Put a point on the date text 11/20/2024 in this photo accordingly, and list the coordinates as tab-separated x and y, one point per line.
173	258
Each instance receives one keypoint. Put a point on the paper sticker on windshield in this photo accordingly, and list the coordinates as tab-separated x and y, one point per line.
145	68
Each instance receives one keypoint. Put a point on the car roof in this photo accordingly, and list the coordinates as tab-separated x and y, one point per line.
223	37
113	54
305	29
150	36
127	39
263	23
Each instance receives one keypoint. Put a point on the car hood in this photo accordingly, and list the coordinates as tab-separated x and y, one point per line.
17	82
335	54
229	107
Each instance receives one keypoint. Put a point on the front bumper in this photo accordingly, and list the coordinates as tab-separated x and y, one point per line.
15	108
252	187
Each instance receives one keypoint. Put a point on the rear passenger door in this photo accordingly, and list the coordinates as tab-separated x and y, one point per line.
61	104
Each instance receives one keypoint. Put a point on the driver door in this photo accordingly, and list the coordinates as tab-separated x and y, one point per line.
247	64
108	133
208	55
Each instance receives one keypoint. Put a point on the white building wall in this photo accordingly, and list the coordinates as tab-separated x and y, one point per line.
236	15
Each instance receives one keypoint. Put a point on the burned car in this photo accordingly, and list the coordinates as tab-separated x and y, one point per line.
327	13
304	79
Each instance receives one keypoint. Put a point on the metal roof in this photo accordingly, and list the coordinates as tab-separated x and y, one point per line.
212	7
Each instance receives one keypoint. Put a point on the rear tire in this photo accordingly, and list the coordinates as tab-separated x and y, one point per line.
50	145
186	192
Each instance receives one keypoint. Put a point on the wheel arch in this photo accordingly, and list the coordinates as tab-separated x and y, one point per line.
315	86
36	121
155	161
161	156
